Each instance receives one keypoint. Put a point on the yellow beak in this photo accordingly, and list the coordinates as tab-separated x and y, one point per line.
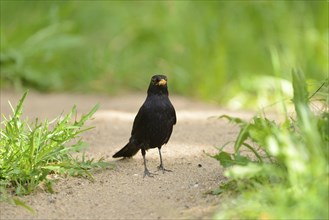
162	82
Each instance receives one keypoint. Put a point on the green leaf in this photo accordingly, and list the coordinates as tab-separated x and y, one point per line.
20	203
241	160
242	137
217	191
300	87
224	159
300	92
19	107
234	120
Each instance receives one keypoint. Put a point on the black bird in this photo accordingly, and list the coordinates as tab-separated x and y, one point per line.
153	123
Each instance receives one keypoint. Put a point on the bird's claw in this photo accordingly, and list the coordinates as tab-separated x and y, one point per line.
163	169
148	173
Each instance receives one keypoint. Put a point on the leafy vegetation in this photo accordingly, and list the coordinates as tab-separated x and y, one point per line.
203	46
31	152
235	53
284	175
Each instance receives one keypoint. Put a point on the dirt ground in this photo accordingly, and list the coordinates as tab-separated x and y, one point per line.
122	192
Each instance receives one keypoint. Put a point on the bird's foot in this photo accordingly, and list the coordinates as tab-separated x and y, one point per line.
163	169
148	173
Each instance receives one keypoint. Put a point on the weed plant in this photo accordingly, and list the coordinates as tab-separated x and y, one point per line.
285	176
31	152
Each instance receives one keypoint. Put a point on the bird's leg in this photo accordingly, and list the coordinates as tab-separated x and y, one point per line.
146	171
161	167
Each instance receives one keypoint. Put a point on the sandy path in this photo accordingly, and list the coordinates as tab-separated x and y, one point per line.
122	192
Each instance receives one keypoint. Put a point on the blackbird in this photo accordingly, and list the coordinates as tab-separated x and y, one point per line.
153	123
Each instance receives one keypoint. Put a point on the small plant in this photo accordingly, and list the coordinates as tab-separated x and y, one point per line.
284	173
31	152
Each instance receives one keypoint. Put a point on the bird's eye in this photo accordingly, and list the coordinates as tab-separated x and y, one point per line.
156	80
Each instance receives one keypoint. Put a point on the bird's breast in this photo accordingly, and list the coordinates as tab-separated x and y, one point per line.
158	121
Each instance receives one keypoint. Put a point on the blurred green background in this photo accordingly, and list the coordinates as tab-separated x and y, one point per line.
229	52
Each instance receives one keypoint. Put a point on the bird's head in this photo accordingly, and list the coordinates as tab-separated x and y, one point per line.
159	80
158	85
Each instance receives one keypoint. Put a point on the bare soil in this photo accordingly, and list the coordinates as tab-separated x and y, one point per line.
122	192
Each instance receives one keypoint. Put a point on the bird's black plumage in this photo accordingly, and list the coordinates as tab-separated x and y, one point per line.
153	123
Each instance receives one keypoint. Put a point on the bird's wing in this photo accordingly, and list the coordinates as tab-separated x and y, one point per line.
138	122
174	116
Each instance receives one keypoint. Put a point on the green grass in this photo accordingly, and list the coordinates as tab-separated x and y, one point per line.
226	51
285	173
31	152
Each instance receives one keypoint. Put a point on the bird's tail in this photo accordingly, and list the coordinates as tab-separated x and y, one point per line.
127	151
